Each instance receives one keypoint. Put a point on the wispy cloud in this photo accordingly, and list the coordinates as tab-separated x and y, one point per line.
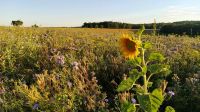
178	13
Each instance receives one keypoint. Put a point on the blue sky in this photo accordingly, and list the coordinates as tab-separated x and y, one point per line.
75	12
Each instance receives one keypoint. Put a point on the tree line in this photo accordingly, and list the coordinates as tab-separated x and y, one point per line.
119	25
180	28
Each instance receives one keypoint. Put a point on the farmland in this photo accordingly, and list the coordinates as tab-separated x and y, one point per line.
79	69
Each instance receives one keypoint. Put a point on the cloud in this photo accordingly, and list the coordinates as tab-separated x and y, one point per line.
180	13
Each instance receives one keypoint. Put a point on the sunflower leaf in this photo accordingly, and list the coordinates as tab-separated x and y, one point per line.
144	101
147	45
156	57
128	107
134	75
151	102
156	99
158	68
150	84
139	89
138	60
169	109
125	85
135	62
144	70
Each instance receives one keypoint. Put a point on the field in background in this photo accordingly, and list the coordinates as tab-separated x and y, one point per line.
58	52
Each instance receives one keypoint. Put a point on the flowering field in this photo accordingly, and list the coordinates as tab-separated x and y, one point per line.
83	70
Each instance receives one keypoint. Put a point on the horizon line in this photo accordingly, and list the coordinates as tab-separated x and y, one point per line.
97	22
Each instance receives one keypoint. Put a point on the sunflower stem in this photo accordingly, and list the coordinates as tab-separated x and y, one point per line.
143	60
145	84
144	76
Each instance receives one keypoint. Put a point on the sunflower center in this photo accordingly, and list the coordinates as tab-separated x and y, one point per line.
131	46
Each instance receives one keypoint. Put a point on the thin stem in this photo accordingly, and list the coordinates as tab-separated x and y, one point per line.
139	67
144	76
143	60
149	77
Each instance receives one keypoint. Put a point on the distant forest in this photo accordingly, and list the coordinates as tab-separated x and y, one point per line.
118	25
180	28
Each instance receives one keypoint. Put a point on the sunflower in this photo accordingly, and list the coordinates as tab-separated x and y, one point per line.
129	47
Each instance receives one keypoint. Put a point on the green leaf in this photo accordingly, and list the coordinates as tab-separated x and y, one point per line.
144	101
158	68
139	89
150	84
156	57
169	109
128	107
147	45
135	62
156	99
165	73
138	60
131	108
151	102
134	75
144	70
125	85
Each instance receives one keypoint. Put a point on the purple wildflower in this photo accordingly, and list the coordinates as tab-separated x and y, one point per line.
35	106
106	100
171	93
133	100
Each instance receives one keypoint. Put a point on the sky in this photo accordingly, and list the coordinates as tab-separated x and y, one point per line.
70	13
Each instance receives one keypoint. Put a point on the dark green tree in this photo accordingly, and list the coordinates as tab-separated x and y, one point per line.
35	26
17	23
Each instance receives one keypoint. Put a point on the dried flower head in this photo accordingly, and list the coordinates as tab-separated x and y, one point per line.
75	65
60	60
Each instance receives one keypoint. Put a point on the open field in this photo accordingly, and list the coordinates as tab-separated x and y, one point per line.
78	69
